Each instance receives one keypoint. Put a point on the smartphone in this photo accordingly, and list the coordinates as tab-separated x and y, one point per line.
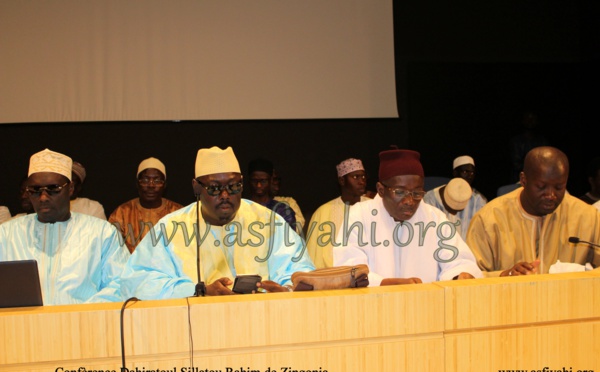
246	283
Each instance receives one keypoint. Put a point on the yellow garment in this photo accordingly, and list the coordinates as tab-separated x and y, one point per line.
134	221
320	232
502	234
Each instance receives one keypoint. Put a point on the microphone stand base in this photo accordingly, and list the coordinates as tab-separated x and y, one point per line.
200	290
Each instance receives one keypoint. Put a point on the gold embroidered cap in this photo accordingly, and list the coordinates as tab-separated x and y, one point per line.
216	160
50	161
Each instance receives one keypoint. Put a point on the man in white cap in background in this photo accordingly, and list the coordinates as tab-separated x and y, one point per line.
79	257
327	220
463	167
136	217
452	199
83	205
233	237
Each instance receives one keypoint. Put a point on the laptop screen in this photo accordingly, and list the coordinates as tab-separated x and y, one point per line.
20	284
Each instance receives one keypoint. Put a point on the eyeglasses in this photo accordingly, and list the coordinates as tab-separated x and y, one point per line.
151	181
216	190
50	189
401	193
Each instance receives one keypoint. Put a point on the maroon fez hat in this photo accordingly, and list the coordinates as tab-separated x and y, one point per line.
399	163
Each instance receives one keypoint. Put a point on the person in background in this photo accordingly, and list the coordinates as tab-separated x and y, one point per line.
83	205
328	219
138	216
24	202
462	167
275	188
260	172
452	199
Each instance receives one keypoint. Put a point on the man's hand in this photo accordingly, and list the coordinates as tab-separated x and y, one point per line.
271	286
396	281
522	268
463	276
219	287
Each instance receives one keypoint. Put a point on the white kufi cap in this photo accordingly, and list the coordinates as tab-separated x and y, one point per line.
152	163
457	193
463	160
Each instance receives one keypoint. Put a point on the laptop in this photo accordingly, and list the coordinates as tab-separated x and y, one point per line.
20	284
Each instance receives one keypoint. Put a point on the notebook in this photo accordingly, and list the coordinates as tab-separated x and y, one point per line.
20	284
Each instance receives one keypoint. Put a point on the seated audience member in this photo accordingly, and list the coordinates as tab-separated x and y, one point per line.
452	199
275	188
463	167
79	257
233	236
402	240
83	205
328	219
138	216
260	172
593	173
4	214
528	230
25	203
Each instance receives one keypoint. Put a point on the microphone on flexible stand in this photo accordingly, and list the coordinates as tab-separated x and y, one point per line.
200	287
576	240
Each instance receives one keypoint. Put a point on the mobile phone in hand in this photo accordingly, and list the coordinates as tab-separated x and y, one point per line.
246	283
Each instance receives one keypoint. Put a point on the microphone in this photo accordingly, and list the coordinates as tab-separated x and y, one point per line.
576	240
200	287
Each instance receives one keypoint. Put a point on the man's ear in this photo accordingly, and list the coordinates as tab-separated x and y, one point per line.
196	187
71	188
380	189
522	179
342	181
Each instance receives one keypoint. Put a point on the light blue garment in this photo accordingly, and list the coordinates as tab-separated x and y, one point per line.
257	241
79	260
476	202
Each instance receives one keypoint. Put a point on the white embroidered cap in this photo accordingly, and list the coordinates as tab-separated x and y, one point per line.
50	161
349	166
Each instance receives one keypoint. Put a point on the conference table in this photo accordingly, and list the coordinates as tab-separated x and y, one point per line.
528	323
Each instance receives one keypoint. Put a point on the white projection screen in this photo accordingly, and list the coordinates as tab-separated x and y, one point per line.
148	60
